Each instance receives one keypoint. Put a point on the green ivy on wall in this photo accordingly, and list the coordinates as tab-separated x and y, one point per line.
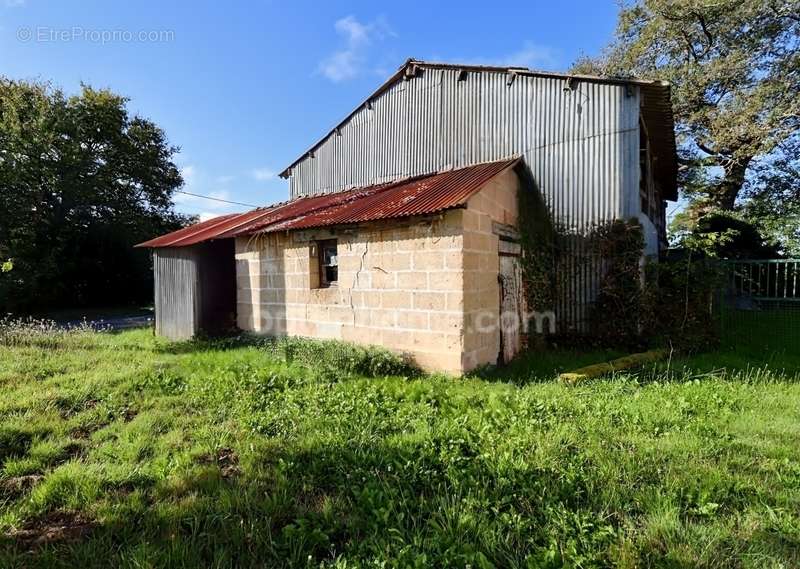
634	303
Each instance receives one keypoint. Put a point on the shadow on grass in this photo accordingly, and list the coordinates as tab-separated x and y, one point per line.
411	504
744	361
198	345
544	365
437	502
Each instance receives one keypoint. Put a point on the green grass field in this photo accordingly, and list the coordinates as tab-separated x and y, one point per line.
122	450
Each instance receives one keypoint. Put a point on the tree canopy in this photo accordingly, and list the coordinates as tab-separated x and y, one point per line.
734	66
81	181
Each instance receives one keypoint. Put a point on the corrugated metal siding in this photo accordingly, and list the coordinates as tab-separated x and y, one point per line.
581	145
176	292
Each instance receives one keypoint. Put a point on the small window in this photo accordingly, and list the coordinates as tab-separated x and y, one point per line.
328	263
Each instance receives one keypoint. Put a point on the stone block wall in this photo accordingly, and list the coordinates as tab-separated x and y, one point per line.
400	285
417	285
495	203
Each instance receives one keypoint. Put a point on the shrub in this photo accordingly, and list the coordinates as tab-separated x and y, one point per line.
677	303
334	359
616	313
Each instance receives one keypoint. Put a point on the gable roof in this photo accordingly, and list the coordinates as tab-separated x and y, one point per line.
656	110
421	195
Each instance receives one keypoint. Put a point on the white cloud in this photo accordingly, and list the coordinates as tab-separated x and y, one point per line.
341	66
206	215
355	32
263	174
14	3
349	61
533	56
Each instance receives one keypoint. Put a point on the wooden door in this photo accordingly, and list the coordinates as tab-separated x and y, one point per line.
511	307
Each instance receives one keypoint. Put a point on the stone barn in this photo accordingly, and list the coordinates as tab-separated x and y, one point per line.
413	266
402	224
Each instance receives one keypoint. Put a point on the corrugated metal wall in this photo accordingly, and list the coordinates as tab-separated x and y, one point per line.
176	292
581	144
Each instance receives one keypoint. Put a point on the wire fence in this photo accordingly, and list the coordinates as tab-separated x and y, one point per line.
759	303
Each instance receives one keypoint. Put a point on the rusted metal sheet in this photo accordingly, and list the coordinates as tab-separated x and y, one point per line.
421	196
187	233
418	196
205	230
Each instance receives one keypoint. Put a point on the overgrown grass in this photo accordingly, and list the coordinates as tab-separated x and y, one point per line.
123	450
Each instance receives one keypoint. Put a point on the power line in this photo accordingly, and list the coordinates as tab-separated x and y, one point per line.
215	199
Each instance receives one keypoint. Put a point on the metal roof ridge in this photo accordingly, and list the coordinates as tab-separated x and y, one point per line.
536	72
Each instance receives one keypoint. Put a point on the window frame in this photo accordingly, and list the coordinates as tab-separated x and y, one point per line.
324	282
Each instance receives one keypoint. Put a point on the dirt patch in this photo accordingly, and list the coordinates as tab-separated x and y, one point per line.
86	431
69	411
20	484
54	527
73	450
227	460
82	433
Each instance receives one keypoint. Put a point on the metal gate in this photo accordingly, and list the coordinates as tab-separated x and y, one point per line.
760	303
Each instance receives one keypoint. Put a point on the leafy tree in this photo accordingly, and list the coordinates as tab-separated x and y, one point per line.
81	181
723	235
734	66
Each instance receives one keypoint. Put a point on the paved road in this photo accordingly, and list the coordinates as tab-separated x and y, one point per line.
117	323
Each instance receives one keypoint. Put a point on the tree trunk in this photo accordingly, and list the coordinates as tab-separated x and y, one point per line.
726	192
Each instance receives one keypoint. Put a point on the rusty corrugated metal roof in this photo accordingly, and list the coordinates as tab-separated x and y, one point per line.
416	196
205	230
187	233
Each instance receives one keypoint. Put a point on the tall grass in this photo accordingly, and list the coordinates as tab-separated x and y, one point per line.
139	453
43	333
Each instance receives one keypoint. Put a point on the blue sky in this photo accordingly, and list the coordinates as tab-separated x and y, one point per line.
243	88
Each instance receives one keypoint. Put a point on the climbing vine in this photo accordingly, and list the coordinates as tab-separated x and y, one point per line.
616	314
556	263
632	303
539	241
